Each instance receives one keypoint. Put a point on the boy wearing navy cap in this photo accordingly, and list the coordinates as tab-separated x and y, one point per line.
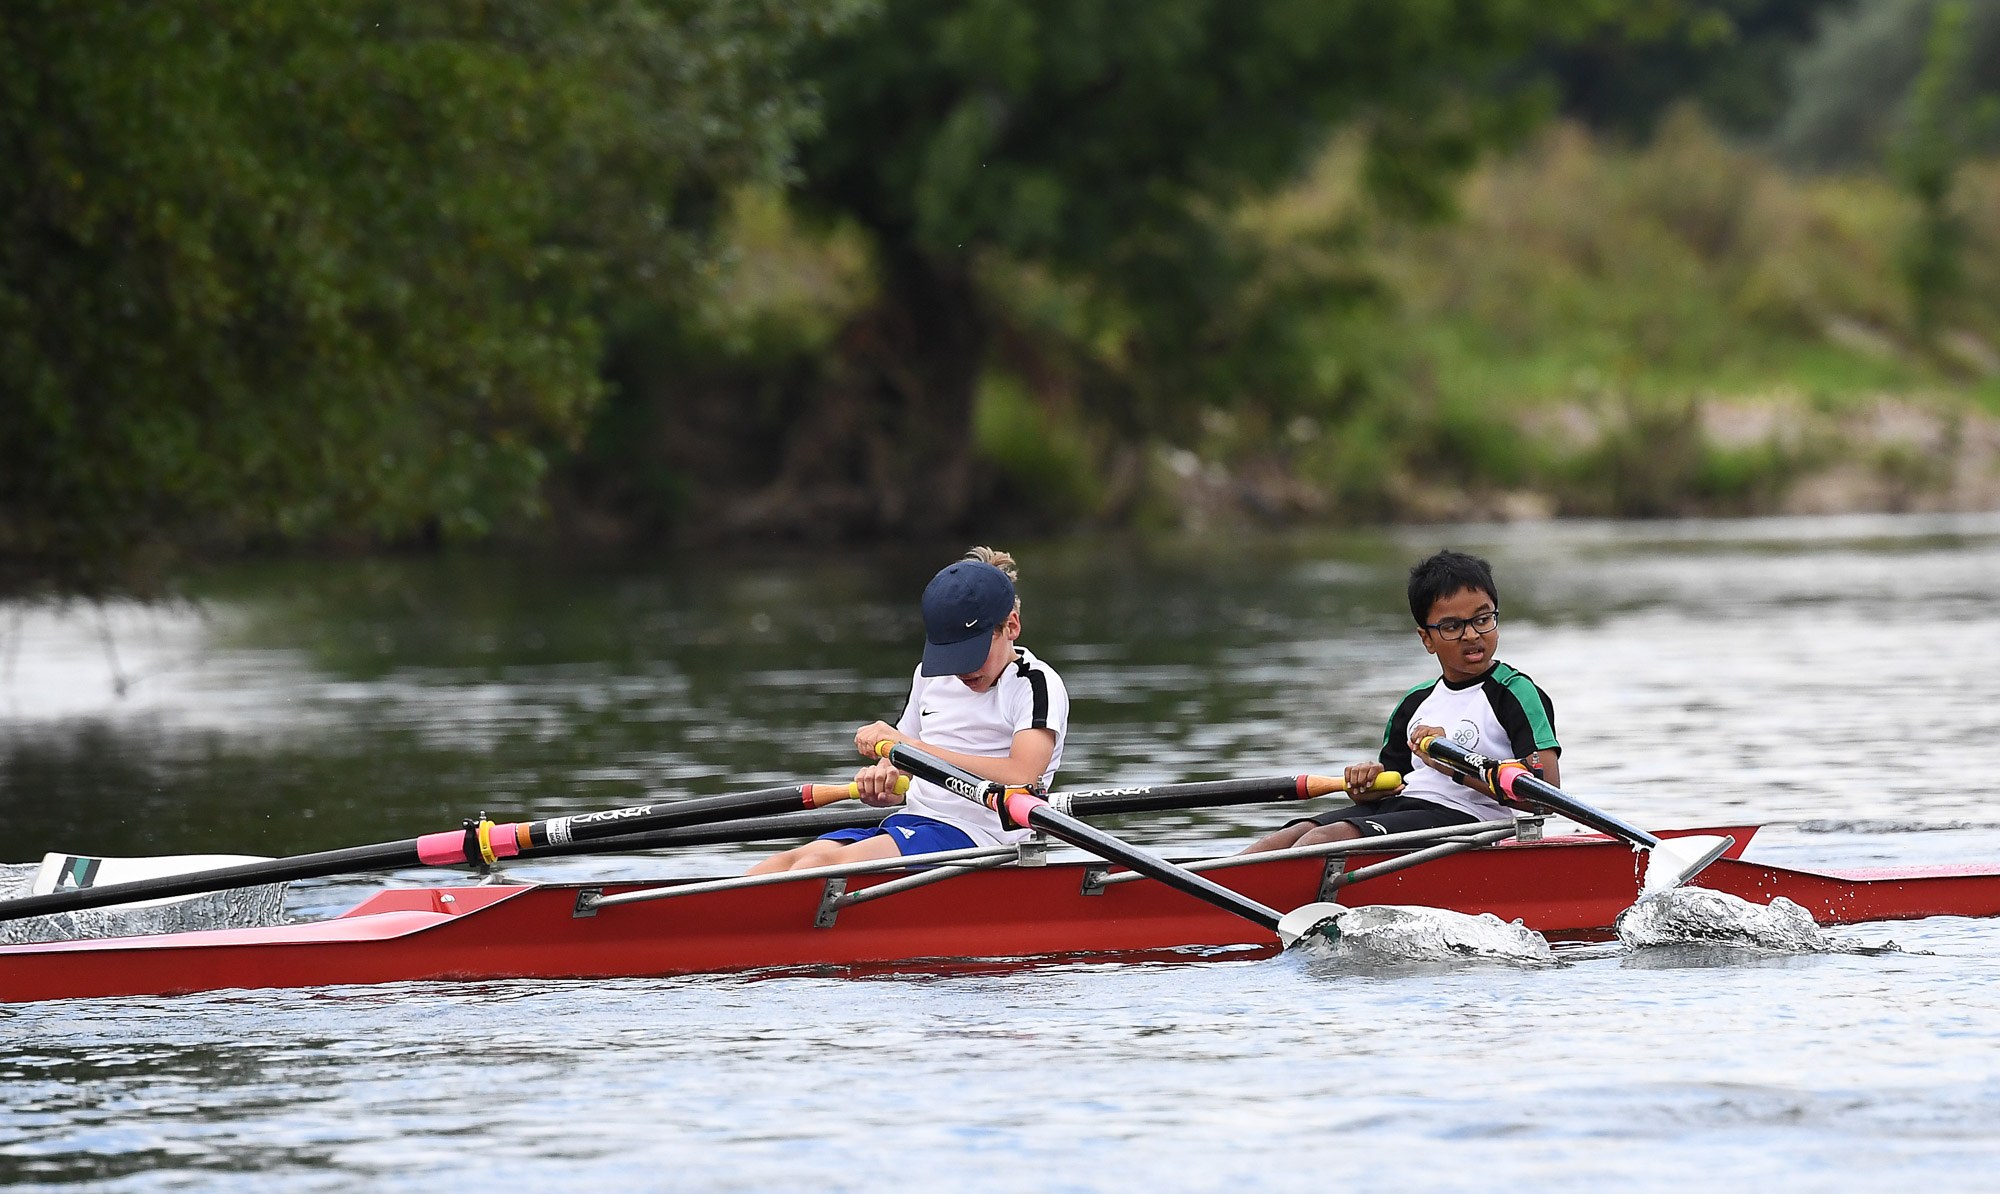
978	700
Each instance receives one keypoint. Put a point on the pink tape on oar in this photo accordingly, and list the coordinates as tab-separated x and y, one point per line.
442	849
505	840
1020	804
1505	775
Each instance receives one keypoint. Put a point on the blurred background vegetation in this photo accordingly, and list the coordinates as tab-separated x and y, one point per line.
351	274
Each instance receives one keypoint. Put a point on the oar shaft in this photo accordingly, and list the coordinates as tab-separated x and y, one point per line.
745	817
1024	808
1512	779
478	842
748	829
1094	802
488	843
1215	793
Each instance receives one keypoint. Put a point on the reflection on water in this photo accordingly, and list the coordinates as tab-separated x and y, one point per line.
1822	677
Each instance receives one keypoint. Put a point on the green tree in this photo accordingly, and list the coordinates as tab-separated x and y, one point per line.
1102	141
290	269
1945	117
1854	87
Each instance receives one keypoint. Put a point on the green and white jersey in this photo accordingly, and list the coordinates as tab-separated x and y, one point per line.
1502	715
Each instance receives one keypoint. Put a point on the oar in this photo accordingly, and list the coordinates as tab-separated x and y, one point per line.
1212	793
479	841
1684	857
1089	803
1023	808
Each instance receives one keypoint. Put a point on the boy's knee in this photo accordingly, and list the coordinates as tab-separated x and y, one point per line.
812	854
1320	835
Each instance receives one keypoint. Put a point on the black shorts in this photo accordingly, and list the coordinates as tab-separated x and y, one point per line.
1393	814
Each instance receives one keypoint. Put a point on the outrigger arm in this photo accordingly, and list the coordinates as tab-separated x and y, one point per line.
1515	782
1024	808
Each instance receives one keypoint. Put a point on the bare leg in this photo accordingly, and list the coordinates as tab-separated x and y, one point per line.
1339	831
824	853
1305	833
1283	839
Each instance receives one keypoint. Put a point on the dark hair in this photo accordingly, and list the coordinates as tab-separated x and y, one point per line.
1446	573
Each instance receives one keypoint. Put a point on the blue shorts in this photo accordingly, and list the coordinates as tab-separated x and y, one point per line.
912	834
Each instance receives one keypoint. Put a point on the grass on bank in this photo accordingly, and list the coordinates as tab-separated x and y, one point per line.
1684	327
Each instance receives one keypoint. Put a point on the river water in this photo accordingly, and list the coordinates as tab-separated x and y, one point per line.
1822	677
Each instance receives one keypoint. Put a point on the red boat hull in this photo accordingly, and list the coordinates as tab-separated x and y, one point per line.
1564	887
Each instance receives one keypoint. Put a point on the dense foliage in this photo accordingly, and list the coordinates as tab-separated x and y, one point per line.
288	269
1102	141
360	272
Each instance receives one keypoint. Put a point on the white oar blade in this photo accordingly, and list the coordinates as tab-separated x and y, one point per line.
235	908
1677	859
1307	921
67	872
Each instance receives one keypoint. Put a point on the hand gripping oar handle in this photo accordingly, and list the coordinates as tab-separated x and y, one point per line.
1512	780
1024	808
480	841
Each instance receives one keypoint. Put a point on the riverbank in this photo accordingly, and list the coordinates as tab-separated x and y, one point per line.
1684	329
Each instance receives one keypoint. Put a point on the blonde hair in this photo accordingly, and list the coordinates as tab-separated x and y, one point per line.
1001	560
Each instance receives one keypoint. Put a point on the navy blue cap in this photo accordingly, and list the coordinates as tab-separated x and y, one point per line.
962	605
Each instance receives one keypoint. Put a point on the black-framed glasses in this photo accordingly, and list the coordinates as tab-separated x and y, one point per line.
1453	629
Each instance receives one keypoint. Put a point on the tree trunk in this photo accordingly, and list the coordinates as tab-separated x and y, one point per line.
882	443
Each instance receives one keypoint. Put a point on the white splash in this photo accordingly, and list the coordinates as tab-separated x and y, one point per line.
1698	916
245	907
1397	933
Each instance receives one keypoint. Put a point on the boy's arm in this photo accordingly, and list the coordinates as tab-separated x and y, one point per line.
1039	713
1529	717
1547	761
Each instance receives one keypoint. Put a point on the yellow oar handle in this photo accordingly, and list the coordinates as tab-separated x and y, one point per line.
818	795
1323	785
883	747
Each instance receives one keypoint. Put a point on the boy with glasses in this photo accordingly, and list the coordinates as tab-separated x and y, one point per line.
1477	702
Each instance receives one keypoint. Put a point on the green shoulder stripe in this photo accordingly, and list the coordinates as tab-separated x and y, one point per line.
1524	691
1389	727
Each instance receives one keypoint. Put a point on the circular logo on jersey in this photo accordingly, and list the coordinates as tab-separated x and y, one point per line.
1466	735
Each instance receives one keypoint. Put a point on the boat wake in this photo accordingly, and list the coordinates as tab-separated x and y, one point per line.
243	908
1393	933
1698	916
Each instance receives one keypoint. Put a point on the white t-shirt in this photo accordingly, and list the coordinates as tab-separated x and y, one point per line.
945	713
1501	714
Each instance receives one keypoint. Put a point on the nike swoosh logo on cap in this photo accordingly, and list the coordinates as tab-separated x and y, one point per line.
971	624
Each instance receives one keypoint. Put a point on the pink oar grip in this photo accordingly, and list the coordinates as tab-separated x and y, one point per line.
1507	773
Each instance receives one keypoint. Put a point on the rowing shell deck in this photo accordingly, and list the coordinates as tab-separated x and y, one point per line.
1562	887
